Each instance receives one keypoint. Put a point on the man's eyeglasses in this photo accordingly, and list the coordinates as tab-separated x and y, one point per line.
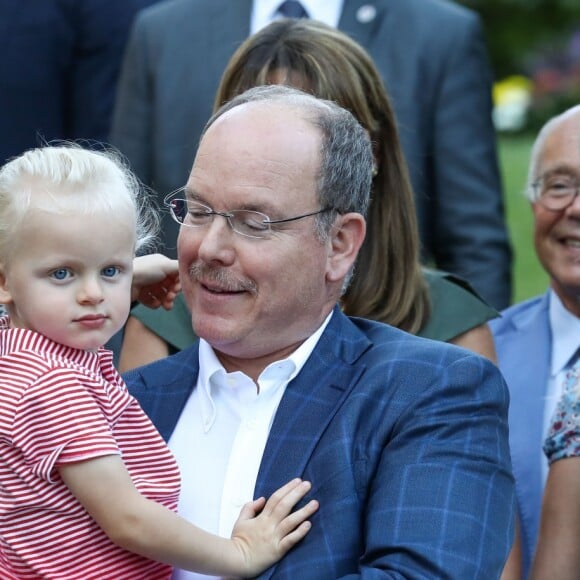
556	192
249	223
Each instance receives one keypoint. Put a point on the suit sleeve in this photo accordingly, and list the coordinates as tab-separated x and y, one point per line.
101	28
441	502
470	233
131	130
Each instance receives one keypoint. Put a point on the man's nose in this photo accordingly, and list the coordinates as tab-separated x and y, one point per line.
217	241
573	210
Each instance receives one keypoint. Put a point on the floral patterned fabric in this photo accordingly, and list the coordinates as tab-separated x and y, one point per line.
564	437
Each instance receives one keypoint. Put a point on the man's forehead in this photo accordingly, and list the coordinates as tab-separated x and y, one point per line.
260	133
266	116
566	130
561	144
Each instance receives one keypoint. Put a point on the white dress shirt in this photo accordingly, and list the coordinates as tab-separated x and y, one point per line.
265	11
565	328
221	434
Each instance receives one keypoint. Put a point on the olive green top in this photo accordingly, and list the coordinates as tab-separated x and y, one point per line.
455	309
173	326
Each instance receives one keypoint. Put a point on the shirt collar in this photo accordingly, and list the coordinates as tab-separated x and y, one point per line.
21	339
276	374
264	11
565	328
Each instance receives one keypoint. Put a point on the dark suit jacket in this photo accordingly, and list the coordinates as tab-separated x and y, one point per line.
404	440
523	341
59	63
432	56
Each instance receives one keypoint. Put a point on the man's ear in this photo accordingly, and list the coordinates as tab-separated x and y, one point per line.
346	238
5	295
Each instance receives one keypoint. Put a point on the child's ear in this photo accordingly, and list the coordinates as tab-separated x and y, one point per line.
5	295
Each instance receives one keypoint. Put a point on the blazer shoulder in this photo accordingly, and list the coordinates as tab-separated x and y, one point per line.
443	30
455	307
438	11
167	12
519	314
167	371
162	17
387	345
447	9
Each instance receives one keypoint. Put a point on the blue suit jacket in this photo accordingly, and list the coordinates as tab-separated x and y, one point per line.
432	57
405	441
523	342
59	63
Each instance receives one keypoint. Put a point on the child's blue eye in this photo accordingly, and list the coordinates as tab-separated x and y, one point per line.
110	271
61	274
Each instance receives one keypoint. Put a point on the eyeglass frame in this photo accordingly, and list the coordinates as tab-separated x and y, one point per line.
228	215
539	197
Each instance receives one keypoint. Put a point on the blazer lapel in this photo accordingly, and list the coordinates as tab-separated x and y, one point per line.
310	402
529	367
231	28
361	20
164	388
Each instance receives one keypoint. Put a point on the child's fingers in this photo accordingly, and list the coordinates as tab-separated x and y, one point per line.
291	539
172	283
169	299
251	508
284	499
297	518
168	302
171	289
149	299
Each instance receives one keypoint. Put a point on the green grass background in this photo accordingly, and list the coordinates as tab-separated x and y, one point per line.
529	279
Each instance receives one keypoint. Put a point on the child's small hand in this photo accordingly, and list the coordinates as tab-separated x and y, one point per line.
155	281
264	538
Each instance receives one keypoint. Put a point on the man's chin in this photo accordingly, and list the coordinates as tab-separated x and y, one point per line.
216	330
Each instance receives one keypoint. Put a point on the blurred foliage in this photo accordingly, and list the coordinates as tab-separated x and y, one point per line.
534	47
517	29
537	41
548	106
529	277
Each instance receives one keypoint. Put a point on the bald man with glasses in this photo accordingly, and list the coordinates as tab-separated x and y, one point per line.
433	59
404	439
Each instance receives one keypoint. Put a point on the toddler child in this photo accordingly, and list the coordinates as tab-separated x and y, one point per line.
88	489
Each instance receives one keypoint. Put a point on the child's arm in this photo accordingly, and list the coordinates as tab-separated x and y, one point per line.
103	486
155	281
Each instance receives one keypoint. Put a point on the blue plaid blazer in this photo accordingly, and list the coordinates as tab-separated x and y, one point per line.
405	441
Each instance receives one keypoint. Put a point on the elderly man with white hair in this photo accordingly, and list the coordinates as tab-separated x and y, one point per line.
538	341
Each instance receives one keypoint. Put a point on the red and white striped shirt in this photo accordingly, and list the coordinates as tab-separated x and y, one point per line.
60	405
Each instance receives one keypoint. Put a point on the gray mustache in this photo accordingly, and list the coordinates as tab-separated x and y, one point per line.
222	277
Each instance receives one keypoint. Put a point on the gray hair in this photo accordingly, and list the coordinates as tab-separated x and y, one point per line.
345	176
538	146
71	178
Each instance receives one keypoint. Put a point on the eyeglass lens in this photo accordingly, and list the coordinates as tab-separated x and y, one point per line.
249	223
557	193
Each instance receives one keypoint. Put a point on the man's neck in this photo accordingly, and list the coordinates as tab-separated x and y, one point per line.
570	298
252	364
